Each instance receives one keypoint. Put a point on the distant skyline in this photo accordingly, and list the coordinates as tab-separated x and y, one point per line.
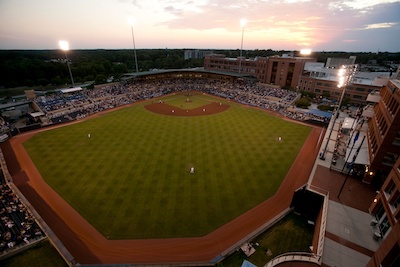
323	25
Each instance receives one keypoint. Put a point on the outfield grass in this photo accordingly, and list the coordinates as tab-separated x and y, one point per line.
131	178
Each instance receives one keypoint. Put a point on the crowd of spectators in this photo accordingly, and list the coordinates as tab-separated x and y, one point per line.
17	225
87	102
61	101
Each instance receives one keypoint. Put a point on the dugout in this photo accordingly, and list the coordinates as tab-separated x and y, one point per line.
307	203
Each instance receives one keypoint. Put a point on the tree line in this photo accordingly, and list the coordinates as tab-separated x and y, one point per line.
48	67
45	67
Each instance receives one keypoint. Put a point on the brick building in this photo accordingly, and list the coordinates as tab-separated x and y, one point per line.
385	225
384	150
302	73
323	81
384	132
282	70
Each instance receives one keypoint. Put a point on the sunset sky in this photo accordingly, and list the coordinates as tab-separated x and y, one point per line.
321	25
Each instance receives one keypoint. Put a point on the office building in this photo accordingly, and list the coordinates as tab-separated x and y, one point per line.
282	70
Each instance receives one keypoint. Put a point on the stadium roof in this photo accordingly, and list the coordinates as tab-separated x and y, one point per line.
320	113
71	90
199	70
359	150
37	114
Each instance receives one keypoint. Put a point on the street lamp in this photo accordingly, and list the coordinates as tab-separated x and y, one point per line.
345	73
132	23
243	23
64	45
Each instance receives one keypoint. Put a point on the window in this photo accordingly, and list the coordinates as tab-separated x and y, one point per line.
359	89
389	159
396	140
379	214
384	226
396	202
390	188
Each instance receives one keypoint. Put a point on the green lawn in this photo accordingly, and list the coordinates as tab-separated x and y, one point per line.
291	234
41	255
131	178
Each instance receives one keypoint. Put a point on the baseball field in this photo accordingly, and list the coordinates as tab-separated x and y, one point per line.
128	172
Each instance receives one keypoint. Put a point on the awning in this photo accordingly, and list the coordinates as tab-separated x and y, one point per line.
37	114
71	90
362	156
348	123
321	113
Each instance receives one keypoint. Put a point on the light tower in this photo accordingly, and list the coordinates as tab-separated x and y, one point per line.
132	22
346	72
64	45
243	23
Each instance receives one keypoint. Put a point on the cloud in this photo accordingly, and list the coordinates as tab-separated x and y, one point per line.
380	25
276	24
132	2
357	4
174	11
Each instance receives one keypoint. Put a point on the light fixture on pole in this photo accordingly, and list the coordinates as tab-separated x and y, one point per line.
243	23
64	45
132	23
345	74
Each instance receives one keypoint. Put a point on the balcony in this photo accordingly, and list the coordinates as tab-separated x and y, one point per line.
374	97
368	111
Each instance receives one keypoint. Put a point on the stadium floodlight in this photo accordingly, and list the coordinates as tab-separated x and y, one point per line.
132	22
243	23
64	45
345	73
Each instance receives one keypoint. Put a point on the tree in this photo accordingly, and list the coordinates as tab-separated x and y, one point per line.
303	103
310	95
326	94
346	101
101	78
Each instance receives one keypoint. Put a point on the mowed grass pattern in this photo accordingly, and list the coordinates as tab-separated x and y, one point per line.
131	178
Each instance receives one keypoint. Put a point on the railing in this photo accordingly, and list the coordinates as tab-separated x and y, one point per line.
294	256
322	229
